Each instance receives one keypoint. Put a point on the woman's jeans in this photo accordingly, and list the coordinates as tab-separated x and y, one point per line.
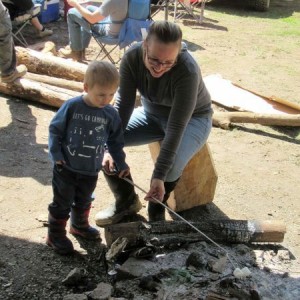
144	128
80	29
7	50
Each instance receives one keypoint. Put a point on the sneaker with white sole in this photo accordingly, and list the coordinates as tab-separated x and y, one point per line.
110	216
44	32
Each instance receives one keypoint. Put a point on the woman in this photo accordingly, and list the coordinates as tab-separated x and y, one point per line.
176	111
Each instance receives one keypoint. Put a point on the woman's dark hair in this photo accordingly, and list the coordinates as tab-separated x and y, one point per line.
165	32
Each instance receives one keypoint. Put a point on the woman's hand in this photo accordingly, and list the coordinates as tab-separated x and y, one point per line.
157	190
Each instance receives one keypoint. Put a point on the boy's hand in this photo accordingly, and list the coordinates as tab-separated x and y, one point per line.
60	162
108	164
157	190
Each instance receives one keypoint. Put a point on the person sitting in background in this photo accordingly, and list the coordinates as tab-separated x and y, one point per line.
111	13
22	10
9	71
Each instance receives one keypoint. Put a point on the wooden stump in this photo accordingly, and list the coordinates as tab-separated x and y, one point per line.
198	182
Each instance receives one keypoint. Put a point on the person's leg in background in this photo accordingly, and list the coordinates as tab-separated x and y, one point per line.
42	31
79	35
9	71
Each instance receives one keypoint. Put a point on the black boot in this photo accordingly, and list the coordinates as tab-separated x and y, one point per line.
57	238
80	224
156	212
126	201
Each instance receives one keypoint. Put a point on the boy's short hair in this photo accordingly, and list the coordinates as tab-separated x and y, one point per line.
102	73
165	32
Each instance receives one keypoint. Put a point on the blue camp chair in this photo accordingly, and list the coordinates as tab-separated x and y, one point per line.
137	21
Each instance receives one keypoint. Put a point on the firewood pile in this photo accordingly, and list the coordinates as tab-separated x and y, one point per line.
51	80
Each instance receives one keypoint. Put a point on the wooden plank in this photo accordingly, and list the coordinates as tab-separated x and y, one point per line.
232	96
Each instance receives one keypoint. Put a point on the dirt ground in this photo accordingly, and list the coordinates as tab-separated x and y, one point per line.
258	167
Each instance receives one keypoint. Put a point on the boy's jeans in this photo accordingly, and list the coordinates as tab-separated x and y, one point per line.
144	128
7	50
70	189
80	29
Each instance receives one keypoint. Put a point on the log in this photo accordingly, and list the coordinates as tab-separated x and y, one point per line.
38	92
42	63
198	182
63	83
44	47
179	232
224	119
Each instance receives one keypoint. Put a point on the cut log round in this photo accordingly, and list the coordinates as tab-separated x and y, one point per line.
42	63
198	182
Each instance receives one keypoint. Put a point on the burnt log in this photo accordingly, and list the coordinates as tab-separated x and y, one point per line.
178	232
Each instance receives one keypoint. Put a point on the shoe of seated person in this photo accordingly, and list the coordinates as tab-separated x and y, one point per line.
17	73
44	32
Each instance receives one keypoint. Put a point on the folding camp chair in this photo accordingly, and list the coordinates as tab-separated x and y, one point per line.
134	29
188	8
21	19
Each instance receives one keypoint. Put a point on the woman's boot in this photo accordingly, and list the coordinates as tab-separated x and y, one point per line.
126	201
80	224
156	212
57	238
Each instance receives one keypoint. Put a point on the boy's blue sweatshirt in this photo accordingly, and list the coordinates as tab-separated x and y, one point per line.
78	133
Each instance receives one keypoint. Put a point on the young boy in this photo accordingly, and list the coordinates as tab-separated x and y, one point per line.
78	135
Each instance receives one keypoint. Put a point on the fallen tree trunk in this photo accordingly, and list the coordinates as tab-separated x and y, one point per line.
42	63
178	232
224	119
63	83
38	92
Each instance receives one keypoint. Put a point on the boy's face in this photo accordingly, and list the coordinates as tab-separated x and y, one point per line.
99	96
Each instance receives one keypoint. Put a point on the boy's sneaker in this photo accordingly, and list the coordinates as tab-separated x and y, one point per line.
89	233
60	244
17	73
44	32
